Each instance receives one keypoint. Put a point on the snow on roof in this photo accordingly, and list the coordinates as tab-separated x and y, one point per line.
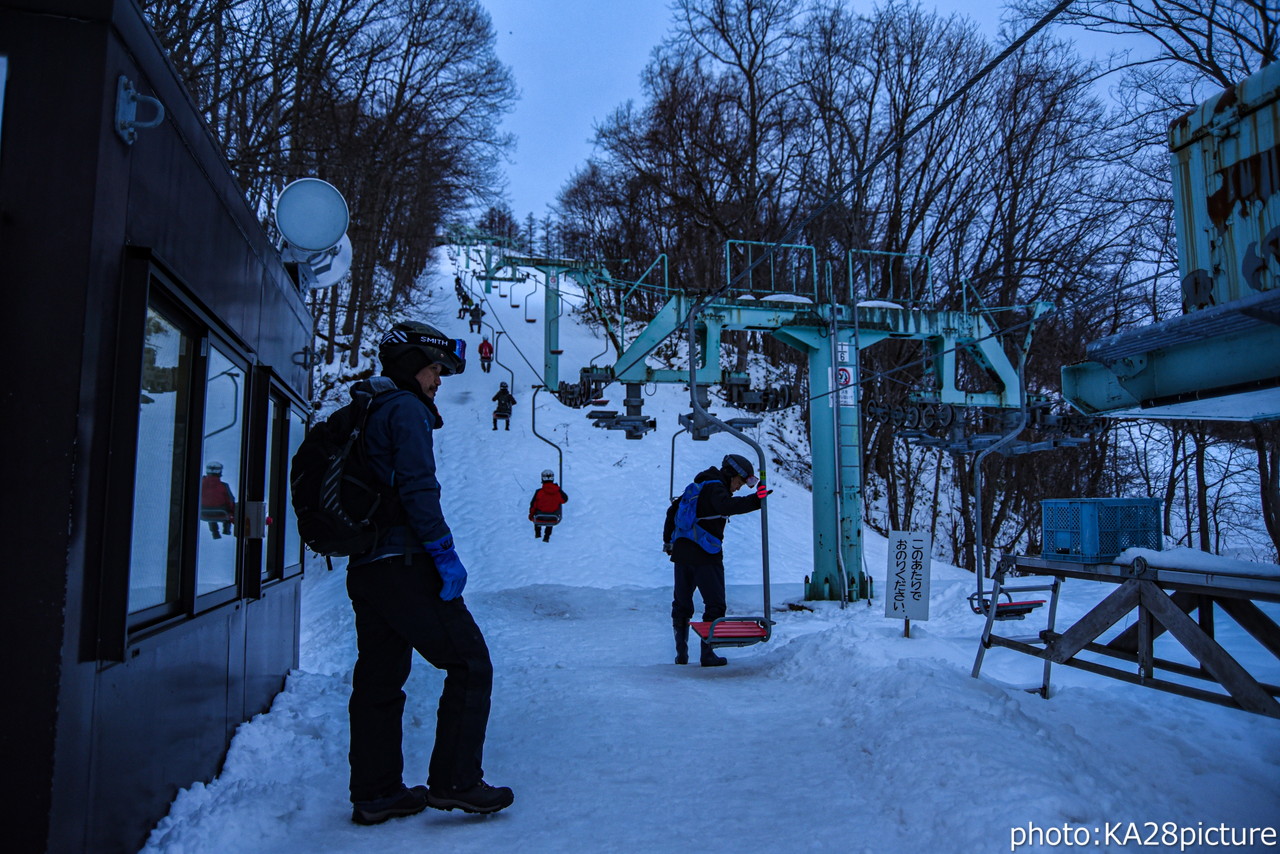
877	303
796	298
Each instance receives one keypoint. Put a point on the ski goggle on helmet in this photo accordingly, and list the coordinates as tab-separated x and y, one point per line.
213	468
740	466
450	353
548	475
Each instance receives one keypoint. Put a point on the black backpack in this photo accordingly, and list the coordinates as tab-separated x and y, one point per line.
340	503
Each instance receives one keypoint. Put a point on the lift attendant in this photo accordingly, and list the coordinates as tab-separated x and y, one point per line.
694	537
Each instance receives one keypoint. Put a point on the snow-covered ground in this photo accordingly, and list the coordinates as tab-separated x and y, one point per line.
838	735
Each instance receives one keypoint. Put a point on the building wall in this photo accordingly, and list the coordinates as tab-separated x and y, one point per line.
113	718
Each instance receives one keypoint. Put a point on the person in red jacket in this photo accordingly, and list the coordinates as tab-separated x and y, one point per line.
486	355
217	504
544	509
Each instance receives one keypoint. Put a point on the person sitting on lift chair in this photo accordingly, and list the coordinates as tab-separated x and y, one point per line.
505	400
545	508
217	504
486	355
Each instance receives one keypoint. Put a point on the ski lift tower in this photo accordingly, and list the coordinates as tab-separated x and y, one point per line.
830	334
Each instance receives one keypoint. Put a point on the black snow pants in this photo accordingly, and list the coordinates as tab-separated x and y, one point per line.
398	609
708	579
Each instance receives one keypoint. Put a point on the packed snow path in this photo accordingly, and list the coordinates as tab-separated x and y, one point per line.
838	735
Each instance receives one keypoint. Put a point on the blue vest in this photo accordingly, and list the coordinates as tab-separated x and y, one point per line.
686	521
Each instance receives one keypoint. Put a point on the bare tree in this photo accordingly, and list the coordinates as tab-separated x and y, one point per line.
394	101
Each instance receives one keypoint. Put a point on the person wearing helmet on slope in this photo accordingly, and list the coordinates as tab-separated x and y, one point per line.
545	508
505	400
217	504
698	552
407	595
486	355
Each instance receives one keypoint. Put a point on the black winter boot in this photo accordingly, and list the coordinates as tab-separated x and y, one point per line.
404	802
709	657
682	643
480	798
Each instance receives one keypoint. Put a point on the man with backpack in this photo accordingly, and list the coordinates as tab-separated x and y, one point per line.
694	537
486	355
406	591
476	313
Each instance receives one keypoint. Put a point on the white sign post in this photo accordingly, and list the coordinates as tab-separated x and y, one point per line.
906	585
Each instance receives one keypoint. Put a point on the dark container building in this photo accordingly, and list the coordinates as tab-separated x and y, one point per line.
156	353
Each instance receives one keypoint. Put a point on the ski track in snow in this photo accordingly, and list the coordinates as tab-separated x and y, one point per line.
838	735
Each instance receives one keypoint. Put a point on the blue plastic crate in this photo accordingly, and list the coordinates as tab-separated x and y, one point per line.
1095	530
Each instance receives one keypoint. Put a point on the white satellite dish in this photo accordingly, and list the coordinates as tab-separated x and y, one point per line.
332	264
312	215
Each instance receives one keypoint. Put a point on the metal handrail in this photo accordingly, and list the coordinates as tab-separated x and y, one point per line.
772	252
533	417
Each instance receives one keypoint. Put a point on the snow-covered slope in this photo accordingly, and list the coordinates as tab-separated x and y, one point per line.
839	735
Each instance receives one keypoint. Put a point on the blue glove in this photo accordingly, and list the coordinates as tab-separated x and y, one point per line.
449	565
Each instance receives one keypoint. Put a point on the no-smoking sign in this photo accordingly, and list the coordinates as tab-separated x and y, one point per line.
845	391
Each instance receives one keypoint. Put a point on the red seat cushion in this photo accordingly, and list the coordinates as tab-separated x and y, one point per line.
731	629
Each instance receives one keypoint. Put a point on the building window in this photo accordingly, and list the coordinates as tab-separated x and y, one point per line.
210	520
221	452
156	553
292	542
270	488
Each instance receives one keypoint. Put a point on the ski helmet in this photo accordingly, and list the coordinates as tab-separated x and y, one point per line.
734	464
502	385
548	475
411	346
213	468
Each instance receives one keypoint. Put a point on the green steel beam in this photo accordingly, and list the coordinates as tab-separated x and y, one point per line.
834	434
551	329
1233	377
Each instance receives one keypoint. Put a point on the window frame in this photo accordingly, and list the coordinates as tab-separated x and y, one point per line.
148	284
160	299
201	602
291	407
275	408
